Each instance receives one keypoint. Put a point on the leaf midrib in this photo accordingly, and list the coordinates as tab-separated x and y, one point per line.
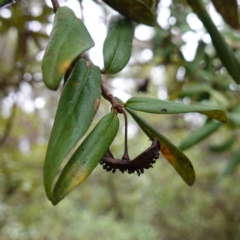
63	42
115	52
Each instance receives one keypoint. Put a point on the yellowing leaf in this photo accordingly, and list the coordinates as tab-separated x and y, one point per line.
69	38
86	157
76	110
176	158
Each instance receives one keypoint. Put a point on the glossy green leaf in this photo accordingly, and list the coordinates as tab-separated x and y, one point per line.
175	156
199	134
77	107
232	164
69	38
157	106
224	51
117	46
135	10
86	157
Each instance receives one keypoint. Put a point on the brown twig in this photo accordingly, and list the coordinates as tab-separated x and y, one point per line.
55	5
81	8
105	91
125	155
118	108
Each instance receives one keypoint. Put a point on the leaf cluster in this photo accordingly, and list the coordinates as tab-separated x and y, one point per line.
81	97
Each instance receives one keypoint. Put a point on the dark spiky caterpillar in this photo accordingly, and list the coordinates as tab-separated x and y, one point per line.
144	161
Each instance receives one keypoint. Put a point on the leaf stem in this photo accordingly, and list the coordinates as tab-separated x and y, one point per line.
125	155
116	105
117	108
105	92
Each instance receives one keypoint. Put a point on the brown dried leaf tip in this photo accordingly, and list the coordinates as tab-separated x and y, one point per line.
144	161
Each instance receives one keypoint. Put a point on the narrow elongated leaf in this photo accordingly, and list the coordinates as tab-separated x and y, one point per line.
175	157
86	157
194	90
69	38
135	10
117	46
152	105
222	147
232	164
77	106
199	134
224	51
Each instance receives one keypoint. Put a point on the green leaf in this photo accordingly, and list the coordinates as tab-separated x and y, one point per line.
224	51
194	90
152	105
69	38
234	118
175	157
136	10
232	164
222	147
199	134
117	46
77	107
86	157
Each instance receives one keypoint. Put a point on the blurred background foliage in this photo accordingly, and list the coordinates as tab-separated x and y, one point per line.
175	61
